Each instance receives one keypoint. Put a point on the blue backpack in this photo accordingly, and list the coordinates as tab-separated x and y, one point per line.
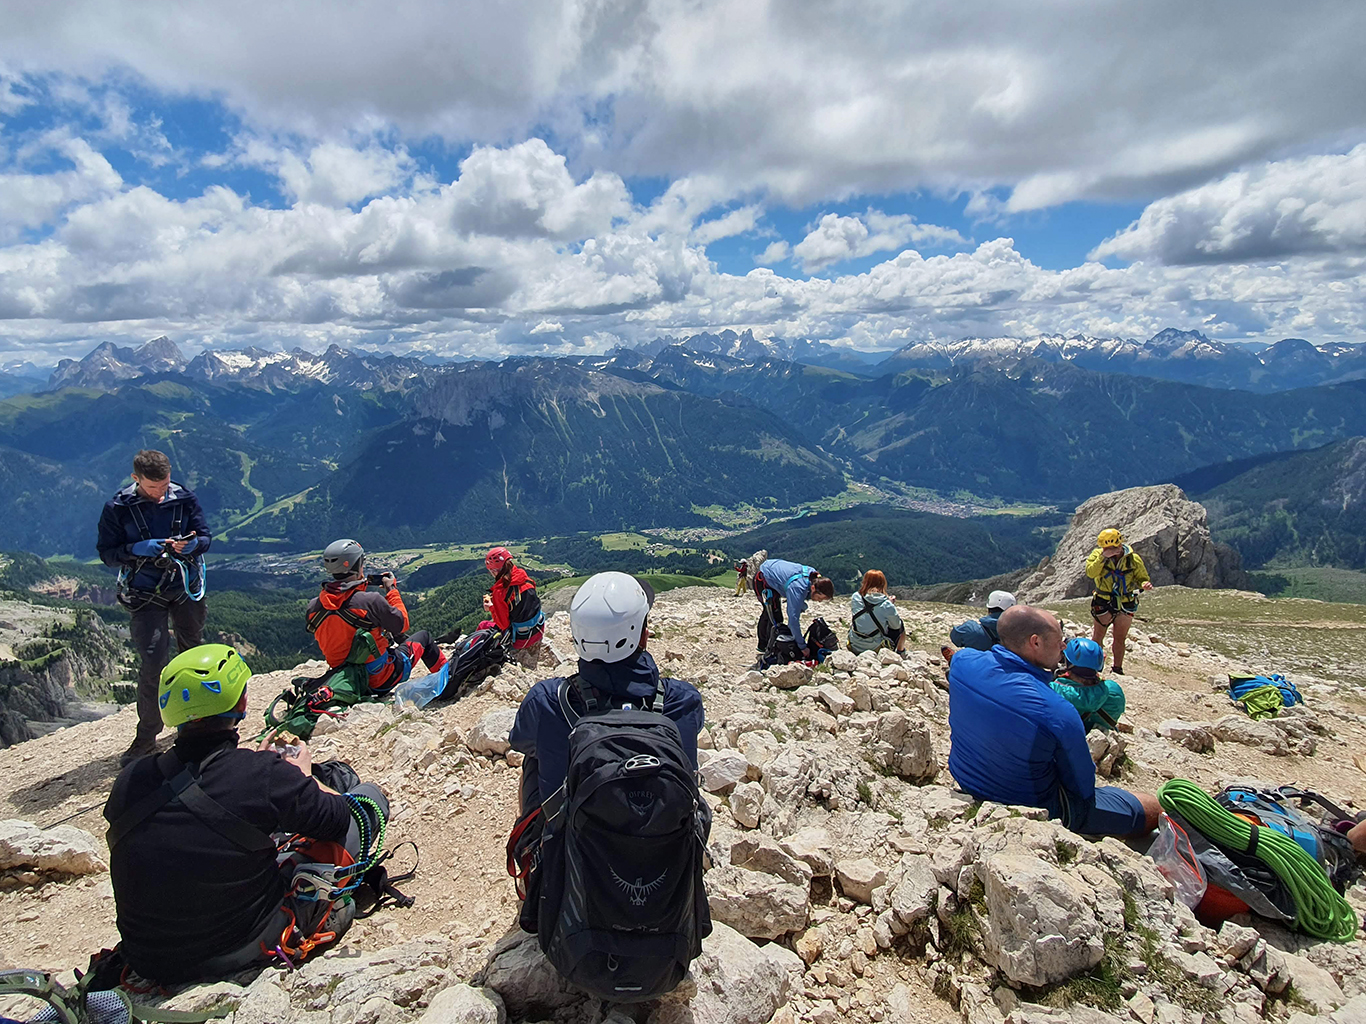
1240	686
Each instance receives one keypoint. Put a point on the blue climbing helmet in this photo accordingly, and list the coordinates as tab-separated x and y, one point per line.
1082	653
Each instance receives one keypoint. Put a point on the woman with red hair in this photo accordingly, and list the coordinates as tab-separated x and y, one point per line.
874	622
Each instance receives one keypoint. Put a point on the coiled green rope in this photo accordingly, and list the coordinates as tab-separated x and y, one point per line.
1322	913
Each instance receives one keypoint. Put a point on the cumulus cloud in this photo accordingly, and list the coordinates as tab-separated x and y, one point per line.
1291	207
330	173
32	200
774	252
1047	102
838	238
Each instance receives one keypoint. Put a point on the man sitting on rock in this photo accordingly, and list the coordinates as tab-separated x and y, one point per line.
1013	740
980	634
608	623
199	887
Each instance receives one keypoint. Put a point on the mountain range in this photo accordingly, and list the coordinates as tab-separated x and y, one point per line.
286	448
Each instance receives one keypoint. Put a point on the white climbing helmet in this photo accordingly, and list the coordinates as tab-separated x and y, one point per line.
607	616
1001	599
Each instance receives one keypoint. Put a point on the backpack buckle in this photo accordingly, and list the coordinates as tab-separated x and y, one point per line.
640	763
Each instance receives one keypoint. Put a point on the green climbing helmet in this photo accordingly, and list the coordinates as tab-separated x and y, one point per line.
202	682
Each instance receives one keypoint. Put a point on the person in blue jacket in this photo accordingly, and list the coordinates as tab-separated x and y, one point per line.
155	534
980	634
777	580
1013	740
608	623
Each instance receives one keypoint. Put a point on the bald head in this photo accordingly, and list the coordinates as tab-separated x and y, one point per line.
1032	633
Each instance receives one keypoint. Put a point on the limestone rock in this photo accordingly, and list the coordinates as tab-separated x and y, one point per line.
760	853
905	747
490	734
842	660
352	987
1106	750
756	904
463	1004
835	699
528	983
723	770
1040	927
736	982
746	804
1262	735
63	848
789	677
858	878
412	742
916	892
1169	531
813	846
1310	981
1197	736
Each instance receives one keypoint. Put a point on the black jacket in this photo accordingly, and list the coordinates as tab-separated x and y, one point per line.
184	893
177	514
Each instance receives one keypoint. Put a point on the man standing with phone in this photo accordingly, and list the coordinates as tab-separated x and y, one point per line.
154	533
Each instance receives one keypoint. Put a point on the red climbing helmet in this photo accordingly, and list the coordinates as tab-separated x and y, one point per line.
496	559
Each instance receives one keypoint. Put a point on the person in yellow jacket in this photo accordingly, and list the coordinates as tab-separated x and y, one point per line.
1119	576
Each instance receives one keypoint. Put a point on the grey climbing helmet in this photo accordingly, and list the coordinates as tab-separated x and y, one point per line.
343	558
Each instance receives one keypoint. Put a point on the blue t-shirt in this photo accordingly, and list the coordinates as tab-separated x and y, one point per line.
1012	739
793	581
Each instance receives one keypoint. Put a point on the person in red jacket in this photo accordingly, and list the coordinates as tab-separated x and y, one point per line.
515	605
346	607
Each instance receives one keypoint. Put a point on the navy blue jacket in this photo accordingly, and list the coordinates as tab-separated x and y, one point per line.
540	730
979	634
1012	739
119	531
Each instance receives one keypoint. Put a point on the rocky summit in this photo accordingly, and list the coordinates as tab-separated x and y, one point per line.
849	880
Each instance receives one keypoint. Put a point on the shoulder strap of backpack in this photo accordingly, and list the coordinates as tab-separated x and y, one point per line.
183	785
865	610
344	613
570	715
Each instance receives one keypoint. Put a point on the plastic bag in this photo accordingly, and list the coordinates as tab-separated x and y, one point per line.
1172	853
414	694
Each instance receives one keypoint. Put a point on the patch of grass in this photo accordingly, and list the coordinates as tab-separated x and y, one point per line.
1101	986
1130	909
865	792
959	932
1066	853
977	896
971	813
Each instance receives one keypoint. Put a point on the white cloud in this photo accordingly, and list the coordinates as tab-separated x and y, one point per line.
547	327
774	252
337	175
1309	205
838	238
29	200
1056	102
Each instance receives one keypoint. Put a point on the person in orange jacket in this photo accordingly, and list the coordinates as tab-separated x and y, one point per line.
347	606
515	605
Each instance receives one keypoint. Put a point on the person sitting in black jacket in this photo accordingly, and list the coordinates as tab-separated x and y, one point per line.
199	888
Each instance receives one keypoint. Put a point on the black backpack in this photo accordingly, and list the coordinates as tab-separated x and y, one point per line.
820	637
622	910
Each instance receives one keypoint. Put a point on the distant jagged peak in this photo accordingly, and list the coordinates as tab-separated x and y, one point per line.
160	353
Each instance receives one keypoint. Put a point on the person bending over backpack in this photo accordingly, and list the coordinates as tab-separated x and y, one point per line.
776	580
356	625
155	534
608	850
1099	701
199	888
1119	576
1015	741
873	621
514	604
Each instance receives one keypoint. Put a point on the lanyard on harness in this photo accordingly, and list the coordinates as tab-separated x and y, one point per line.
168	562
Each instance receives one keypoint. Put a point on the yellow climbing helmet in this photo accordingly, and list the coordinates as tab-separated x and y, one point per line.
1110	539
202	682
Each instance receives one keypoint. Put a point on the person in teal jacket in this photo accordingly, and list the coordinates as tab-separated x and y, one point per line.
1099	701
874	623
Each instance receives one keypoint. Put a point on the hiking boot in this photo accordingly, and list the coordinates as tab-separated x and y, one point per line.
1117	669
141	748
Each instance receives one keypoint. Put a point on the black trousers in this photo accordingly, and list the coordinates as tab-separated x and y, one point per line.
150	629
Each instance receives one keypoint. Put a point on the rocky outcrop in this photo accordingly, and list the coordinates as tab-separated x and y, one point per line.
29	853
1169	531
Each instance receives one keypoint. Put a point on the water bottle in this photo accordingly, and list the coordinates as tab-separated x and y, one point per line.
415	694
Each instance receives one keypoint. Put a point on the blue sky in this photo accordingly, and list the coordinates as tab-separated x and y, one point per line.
555	181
